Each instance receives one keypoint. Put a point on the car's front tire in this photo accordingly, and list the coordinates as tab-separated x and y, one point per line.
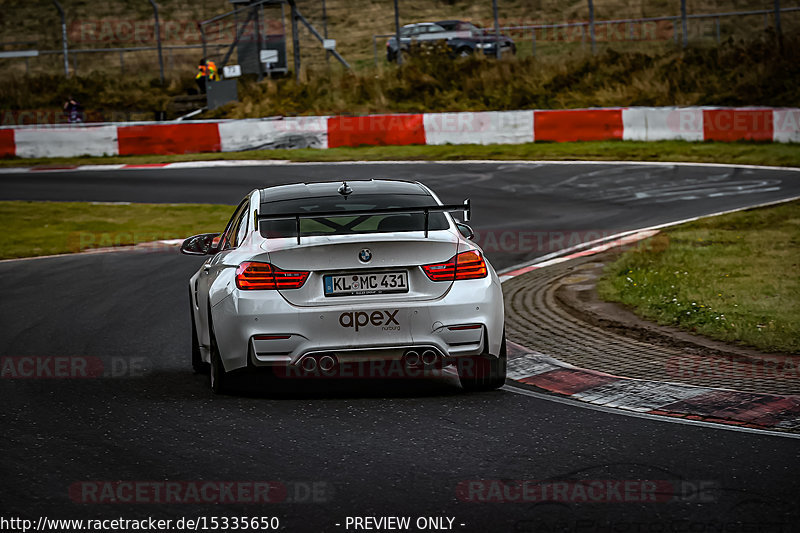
484	373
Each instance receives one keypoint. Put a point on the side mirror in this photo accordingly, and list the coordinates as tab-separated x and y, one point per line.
465	230
203	244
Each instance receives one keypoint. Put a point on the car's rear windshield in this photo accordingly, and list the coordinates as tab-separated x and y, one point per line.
349	224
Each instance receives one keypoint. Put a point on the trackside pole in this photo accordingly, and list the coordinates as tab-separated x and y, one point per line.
63	36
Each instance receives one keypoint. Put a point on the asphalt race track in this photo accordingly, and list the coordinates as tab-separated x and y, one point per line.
357	447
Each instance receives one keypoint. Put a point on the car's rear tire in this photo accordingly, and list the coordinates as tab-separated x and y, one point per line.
217	377
199	366
484	373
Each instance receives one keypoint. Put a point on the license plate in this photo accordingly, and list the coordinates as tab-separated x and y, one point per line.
365	283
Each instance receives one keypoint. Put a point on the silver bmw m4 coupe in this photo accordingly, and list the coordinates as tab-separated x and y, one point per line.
310	278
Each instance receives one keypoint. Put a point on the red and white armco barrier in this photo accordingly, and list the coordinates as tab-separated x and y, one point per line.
487	127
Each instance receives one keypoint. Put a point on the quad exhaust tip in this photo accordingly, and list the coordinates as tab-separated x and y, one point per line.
411	358
428	359
327	363
324	363
309	364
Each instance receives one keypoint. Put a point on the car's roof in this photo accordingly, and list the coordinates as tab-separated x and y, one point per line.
452	22
416	24
331	188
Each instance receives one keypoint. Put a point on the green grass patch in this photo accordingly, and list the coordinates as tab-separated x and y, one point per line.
46	228
732	277
746	153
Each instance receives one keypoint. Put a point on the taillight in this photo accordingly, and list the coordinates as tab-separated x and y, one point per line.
466	265
258	276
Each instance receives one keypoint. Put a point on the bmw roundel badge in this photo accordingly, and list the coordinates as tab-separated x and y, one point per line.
365	255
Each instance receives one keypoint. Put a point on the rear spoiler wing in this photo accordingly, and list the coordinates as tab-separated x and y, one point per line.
466	207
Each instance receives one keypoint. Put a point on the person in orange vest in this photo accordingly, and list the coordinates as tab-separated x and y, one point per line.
202	75
206	71
213	73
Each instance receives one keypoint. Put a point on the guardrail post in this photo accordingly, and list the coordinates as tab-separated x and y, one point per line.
778	23
399	55
719	36
63	36
375	50
203	38
255	14
325	31
591	27
158	41
684	24
533	41
121	62
497	52
295	40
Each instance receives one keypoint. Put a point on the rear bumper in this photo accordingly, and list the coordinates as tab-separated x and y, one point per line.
492	49
261	329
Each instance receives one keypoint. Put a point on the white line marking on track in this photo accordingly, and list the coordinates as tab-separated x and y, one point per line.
647	416
277	162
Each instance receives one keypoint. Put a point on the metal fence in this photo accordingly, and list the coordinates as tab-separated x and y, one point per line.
173	55
180	56
635	29
216	43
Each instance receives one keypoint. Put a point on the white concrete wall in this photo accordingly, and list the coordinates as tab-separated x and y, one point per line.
488	127
237	135
66	141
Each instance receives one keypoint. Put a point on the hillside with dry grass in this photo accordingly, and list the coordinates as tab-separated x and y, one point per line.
746	69
734	74
128	23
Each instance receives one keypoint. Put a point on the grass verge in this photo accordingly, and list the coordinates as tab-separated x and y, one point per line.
48	228
746	153
731	277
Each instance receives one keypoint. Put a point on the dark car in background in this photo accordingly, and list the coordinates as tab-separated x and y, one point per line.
462	37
